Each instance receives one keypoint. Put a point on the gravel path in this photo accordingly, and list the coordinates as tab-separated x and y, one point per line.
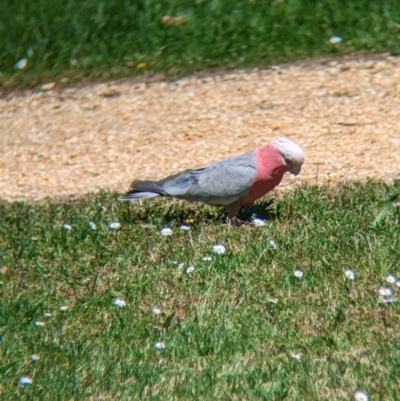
345	114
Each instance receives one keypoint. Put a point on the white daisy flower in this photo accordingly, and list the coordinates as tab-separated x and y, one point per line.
119	302
390	279
25	380
35	357
185	227
21	64
298	272
206	258
350	274
335	39
258	222
156	310
159	345
385	292
64	307
92	225
114	225
39	323
219	249
190	269
66	227
273	244
296	355
386	295
166	231
360	395
47	314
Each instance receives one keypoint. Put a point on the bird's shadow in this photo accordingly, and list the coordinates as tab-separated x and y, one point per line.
165	212
264	210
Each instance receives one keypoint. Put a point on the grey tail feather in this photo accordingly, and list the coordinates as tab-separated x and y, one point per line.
143	190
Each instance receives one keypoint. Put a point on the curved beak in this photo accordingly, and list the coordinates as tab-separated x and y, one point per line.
295	170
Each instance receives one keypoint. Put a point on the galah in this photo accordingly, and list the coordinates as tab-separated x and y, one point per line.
232	182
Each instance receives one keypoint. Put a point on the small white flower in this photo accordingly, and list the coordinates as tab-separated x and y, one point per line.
360	395
64	307
190	269
47	314
298	272
385	292
39	323
390	279
272	300
206	258
119	302
26	380
335	39
156	310
185	227
114	225
66	227
159	345
35	357
296	355
92	225
273	244
166	231
350	274
219	249
258	222
398	283
386	295
21	64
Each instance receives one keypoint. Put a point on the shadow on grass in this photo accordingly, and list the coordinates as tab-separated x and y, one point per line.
165	211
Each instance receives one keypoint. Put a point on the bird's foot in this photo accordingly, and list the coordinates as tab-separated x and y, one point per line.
234	221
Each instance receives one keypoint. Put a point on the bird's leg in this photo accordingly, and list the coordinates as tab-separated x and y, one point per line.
234	221
232	211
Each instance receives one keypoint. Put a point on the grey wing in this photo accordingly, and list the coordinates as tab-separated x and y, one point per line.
220	183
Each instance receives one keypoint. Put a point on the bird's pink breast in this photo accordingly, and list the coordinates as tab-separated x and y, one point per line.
271	167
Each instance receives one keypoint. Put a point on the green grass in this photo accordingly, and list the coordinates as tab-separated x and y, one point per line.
101	39
230	342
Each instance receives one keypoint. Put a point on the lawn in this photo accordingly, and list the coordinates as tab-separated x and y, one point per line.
97	304
292	310
98	39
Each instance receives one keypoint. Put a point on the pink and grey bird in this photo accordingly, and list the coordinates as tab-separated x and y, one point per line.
232	182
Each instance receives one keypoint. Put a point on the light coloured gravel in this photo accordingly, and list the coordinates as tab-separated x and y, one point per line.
345	114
